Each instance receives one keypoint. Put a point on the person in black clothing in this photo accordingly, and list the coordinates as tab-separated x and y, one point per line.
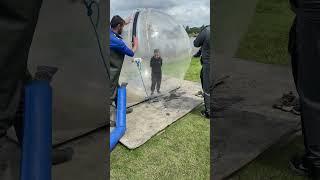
304	48
203	42
156	72
198	54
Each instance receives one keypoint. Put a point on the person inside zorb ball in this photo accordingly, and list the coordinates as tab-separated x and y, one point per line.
162	58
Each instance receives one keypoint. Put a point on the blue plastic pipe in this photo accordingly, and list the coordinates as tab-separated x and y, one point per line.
120	128
37	132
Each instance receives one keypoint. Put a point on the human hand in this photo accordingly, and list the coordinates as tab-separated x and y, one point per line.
128	20
137	60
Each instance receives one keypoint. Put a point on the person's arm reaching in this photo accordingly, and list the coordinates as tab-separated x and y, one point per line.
120	46
128	20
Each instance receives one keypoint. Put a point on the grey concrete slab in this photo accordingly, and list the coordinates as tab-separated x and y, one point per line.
149	118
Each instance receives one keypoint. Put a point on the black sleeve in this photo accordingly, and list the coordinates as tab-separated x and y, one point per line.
198	42
151	62
198	54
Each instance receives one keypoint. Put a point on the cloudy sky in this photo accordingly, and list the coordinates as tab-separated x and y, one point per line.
186	12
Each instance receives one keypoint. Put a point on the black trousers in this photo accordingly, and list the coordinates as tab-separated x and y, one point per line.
201	77
306	65
156	78
17	25
206	85
293	51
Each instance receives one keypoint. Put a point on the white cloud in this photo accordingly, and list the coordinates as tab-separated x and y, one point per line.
186	12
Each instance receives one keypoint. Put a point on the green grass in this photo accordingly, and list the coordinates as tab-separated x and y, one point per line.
267	38
193	73
182	151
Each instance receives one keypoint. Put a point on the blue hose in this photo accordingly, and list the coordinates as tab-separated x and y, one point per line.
120	128
37	132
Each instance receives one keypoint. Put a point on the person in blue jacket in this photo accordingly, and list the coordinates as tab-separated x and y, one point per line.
118	51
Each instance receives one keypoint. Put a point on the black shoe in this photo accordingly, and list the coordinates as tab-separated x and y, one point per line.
60	156
205	114
285	102
158	92
112	123
129	110
200	94
298	166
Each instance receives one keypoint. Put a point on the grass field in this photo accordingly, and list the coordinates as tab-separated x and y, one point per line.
182	151
267	38
266	42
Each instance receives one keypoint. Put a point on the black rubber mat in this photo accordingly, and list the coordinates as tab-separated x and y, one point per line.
240	136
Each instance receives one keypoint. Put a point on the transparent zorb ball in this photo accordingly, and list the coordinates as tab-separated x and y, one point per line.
155	30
